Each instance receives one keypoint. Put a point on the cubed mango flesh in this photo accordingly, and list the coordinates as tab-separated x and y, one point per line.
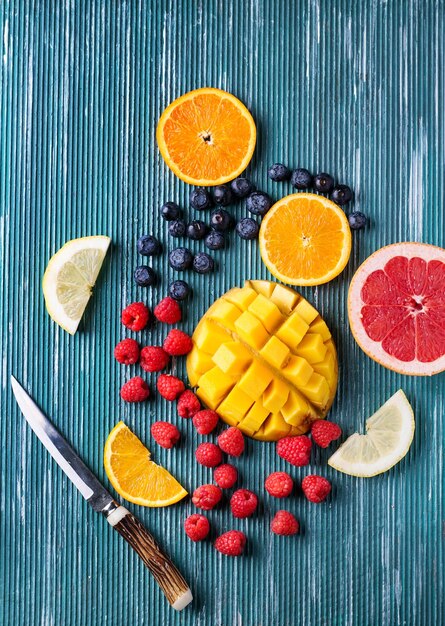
284	298
297	409
225	313
242	297
297	371
216	383
251	330
232	358
264	287
198	363
275	395
292	331
235	406
312	348
316	390
255	380
255	417
267	312
208	336
275	352
306	311
319	326
273	428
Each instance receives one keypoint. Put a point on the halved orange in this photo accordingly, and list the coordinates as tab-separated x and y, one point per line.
305	239
206	137
134	475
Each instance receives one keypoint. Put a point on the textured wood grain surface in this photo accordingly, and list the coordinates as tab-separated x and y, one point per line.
352	88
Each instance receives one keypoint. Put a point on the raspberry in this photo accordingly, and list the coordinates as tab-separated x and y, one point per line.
153	358
127	352
323	433
205	421
135	390
284	523
231	543
196	527
295	450
206	497
169	386
231	441
177	343
165	434
243	503
135	316
279	484
225	476
208	454
316	488
168	311
188	404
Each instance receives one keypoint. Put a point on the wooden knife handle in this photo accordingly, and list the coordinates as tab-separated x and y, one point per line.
165	573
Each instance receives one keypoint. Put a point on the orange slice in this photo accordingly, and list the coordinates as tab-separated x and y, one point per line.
206	137
305	239
132	473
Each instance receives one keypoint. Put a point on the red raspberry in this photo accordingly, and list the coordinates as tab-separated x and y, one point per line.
165	434
169	386
208	454
168	311
295	450
226	476
243	503
284	523
323	433
205	421
196	527
153	358
188	404
177	343
316	488
231	441
127	352
135	316
135	390
279	484
206	497
231	543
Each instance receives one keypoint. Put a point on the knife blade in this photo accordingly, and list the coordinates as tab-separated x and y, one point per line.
127	525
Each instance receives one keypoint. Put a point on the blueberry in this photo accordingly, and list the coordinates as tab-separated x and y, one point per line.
203	263
200	199
341	194
241	187
221	220
145	276
324	182
171	211
301	178
259	203
215	240
247	228
278	172
148	245
176	228
357	220
180	258
179	290
222	195
197	229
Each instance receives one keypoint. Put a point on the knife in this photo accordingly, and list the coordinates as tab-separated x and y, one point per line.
129	527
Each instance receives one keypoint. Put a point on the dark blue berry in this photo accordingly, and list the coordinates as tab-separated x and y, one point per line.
247	228
341	194
241	187
179	289
324	182
215	240
177	228
221	220
259	203
301	178
180	258
145	276
278	172
197	229
148	245
357	220
200	199
203	263
222	195
171	211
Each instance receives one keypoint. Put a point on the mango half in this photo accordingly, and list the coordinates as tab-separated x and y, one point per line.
264	359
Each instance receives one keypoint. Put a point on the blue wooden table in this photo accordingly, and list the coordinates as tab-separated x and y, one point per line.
352	88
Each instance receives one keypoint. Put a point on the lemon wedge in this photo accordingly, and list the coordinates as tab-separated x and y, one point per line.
69	278
390	432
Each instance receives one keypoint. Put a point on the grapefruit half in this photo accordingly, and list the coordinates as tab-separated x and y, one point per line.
396	308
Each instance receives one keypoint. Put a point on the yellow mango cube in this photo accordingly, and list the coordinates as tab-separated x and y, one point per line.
316	390
197	363
225	313
275	352
275	395
235	406
312	348
241	297
215	383
319	326
274	428
292	331
255	417
264	287
208	337
284	298
297	409
209	402
328	369
306	311
255	380
232	358
298	371
267	312
251	330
